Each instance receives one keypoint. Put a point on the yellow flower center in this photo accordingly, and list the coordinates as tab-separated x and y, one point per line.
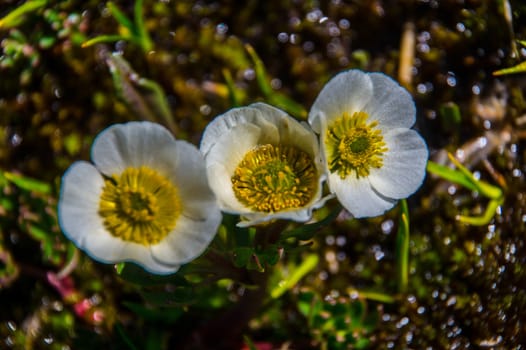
275	178
353	146
139	206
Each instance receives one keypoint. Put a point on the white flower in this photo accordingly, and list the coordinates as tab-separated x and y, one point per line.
371	156
145	200
262	164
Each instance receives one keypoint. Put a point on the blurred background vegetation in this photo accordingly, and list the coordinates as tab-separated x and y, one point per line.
60	85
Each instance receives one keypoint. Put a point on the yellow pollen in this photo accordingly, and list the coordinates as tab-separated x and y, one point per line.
275	178
353	146
139	206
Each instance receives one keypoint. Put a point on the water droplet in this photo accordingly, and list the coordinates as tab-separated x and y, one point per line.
276	83
221	29
11	325
249	74
334	30
283	37
403	322
314	15
205	109
421	88
387	226
345	24
451	80
294	22
294	38
340	241
308	46
15	140
422	47
57	92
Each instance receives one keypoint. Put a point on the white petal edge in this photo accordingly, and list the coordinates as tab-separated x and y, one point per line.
358	197
188	240
346	92
131	144
404	164
223	123
185	167
391	105
78	204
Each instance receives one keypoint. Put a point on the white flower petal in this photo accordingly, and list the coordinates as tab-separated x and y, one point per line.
132	144
404	165
358	197
188	240
105	248
392	106
223	123
185	167
300	215
79	201
223	159
79	219
347	92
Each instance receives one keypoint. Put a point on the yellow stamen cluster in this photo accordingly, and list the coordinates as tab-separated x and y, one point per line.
275	178
353	146
139	206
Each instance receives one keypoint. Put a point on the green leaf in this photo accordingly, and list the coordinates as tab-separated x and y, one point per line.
450	116
519	68
27	183
121	17
249	343
178	296
103	39
450	174
402	247
306	266
145	97
140	28
242	256
482	187
125	337
168	316
274	98
15	17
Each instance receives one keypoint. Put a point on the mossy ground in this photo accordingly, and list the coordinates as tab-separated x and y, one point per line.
466	284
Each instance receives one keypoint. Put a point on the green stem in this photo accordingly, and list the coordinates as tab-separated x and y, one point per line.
402	248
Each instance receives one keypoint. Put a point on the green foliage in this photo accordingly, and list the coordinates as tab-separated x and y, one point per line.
338	323
402	247
144	97
132	31
519	68
16	16
465	178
